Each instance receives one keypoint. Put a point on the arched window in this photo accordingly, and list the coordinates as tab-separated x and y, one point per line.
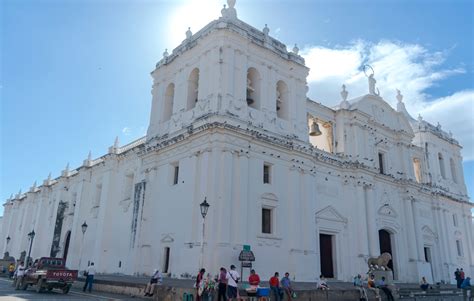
282	96
441	165
453	170
168	105
253	88
193	88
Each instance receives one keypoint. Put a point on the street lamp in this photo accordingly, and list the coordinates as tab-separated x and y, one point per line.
204	206
31	236
6	246
83	228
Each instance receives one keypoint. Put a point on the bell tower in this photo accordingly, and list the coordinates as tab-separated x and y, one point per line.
231	69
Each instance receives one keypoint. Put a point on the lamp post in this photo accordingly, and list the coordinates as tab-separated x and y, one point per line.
83	228
8	241
31	236
204	206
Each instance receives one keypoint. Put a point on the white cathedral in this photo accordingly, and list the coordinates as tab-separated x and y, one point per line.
311	189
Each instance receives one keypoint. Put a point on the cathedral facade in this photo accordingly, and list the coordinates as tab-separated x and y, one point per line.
311	189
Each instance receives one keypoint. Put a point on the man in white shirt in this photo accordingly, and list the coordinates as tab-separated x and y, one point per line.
89	273
233	278
20	272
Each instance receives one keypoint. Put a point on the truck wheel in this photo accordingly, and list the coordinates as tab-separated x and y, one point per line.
50	288
66	289
39	286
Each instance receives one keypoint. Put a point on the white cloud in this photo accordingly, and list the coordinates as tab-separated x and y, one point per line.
193	14
408	67
455	113
126	131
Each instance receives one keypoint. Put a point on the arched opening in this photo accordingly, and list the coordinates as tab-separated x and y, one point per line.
193	89
66	245
453	170
385	241
253	88
282	97
441	166
169	100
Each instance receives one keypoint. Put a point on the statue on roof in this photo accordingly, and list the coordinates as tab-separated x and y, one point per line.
230	12
369	72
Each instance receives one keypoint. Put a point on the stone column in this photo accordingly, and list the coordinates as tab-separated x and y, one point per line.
104	199
225	197
449	243
419	237
372	231
361	236
410	229
441	242
467	227
241	208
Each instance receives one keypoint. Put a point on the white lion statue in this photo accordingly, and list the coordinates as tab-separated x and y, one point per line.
379	263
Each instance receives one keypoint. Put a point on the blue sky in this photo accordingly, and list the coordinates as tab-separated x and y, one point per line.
75	74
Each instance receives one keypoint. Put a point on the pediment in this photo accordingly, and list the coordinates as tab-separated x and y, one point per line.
428	232
167	238
382	113
330	214
269	196
387	210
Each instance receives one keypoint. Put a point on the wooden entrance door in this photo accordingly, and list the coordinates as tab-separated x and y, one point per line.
326	255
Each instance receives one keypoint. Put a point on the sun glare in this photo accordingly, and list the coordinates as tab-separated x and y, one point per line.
192	13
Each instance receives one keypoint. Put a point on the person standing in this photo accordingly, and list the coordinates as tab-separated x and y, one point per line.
20	273
275	286
254	279
200	284
462	275
222	288
89	273
286	285
233	278
457	276
156	279
11	270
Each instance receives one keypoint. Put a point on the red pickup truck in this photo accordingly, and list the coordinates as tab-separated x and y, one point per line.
48	273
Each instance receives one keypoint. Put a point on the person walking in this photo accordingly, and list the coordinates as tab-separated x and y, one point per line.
222	286
89	273
156	279
233	278
200	284
19	274
286	285
275	286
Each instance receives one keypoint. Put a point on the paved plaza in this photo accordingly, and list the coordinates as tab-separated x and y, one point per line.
8	293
